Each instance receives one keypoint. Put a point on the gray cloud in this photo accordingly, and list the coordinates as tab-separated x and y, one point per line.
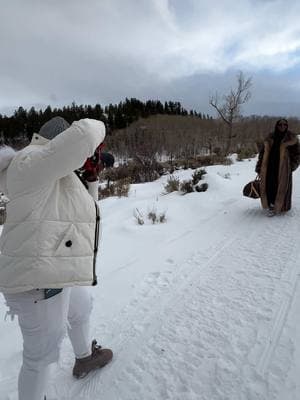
55	52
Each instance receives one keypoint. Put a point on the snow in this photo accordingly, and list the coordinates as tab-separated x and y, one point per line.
205	306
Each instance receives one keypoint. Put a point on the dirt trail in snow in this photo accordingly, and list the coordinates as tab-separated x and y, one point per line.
210	328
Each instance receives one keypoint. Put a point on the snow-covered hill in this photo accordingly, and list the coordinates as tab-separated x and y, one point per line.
203	307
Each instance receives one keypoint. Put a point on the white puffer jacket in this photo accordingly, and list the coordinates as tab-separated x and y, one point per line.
49	239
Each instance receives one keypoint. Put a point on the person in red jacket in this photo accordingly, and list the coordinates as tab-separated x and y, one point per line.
93	166
89	173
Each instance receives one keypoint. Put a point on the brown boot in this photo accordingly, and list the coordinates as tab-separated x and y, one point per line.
98	359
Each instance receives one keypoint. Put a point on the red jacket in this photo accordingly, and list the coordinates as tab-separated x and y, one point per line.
93	165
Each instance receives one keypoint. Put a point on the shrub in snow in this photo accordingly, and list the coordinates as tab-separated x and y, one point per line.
142	170
122	187
201	161
201	188
172	184
136	171
186	187
156	217
162	218
245	153
138	216
119	188
105	192
197	175
153	216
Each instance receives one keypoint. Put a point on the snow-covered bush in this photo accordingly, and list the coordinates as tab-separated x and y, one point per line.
197	175
186	187
193	184
201	188
172	184
154	216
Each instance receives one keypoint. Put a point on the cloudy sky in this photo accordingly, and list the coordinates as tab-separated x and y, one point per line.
101	51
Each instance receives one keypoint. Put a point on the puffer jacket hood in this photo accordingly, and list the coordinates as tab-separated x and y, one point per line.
6	156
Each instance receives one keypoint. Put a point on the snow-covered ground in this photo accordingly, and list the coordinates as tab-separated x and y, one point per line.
205	306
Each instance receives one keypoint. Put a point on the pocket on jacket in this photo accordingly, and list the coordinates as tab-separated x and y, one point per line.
51	235
77	241
65	239
68	244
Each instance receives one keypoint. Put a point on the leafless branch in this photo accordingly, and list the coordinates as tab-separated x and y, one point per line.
230	109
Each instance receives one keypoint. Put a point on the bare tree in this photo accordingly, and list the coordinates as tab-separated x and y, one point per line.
230	109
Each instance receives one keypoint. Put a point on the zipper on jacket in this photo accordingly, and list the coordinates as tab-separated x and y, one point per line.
97	230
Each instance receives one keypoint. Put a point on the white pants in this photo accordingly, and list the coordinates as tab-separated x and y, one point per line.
43	324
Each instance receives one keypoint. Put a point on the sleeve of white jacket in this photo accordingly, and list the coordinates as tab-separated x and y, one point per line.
62	155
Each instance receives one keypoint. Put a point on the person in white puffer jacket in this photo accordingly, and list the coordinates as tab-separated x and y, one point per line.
48	249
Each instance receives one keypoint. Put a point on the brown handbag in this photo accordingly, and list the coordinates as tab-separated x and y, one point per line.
252	189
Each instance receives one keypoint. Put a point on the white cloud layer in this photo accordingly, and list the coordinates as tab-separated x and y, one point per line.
55	51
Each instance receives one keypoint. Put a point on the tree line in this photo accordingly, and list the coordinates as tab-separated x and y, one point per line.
169	137
151	129
23	123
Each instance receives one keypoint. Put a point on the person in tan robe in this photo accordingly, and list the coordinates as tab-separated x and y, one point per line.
278	158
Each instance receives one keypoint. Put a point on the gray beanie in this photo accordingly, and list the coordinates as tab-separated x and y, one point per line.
53	127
